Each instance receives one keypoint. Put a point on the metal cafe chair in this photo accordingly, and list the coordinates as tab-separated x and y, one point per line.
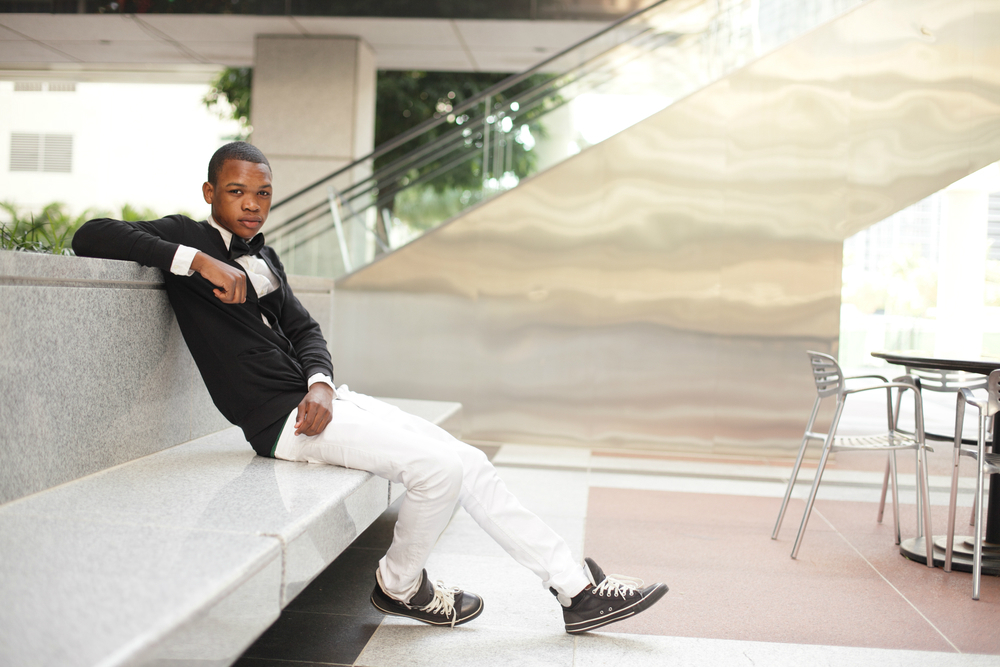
830	382
945	381
986	464
936	380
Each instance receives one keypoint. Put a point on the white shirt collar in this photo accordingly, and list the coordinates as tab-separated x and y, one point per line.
227	236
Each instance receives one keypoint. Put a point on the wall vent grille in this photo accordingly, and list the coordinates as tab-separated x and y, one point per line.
39	86
41	152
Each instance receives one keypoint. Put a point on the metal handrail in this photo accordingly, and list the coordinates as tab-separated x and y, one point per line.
466	105
423	154
423	180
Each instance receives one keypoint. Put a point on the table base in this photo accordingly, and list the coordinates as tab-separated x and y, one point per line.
961	558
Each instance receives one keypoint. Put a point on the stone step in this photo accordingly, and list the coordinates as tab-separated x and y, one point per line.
186	554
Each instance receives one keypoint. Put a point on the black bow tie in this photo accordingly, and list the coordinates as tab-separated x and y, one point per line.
238	247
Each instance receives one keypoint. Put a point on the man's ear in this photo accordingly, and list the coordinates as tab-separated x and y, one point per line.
208	190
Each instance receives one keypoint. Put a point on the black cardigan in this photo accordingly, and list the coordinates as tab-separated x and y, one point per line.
256	375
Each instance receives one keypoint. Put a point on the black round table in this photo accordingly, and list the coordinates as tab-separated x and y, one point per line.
913	548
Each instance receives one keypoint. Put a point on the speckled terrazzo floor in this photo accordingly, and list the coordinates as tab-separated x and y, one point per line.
702	524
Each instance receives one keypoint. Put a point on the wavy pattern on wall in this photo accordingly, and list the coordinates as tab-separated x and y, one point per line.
660	288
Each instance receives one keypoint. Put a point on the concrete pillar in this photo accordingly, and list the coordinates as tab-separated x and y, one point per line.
313	112
962	264
313	105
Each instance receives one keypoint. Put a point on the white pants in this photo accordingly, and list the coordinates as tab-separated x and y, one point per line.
438	472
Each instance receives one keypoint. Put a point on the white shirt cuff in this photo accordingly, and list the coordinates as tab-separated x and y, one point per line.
181	266
321	377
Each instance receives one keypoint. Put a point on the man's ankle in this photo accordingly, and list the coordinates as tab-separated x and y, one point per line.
567	600
409	599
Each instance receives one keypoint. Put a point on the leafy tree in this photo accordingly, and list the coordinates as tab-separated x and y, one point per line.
403	101
449	178
229	96
406	99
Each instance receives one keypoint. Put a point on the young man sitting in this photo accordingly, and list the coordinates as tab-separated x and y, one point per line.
268	370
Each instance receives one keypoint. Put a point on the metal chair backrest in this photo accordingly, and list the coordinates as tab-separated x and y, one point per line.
933	379
826	373
993	389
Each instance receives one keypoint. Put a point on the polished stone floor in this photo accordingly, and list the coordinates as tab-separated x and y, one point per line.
700	523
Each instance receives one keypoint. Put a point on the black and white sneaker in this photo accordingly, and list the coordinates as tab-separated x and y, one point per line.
611	598
434	604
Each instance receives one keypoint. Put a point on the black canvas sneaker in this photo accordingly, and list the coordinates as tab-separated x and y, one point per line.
434	604
611	598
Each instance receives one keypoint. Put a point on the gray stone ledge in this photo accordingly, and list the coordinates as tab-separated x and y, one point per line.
49	269
93	370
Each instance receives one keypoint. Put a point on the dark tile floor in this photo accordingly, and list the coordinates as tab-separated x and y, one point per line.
331	621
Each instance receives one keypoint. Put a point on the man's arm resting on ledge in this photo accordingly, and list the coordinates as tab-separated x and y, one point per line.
157	243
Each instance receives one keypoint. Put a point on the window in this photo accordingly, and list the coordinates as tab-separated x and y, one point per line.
993	226
41	152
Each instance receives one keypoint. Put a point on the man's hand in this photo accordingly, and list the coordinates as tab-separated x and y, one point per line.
230	282
314	411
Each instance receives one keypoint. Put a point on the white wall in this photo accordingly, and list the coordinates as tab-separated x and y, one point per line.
147	145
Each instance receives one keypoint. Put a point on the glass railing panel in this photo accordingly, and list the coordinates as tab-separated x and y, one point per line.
528	123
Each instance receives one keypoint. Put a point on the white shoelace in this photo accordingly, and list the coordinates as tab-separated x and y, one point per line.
618	584
443	602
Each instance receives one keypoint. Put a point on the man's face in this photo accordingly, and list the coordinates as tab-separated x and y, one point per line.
241	197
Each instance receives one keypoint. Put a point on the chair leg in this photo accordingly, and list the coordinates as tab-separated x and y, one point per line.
885	488
977	562
920	493
827	446
952	506
890	467
810	501
953	500
895	495
925	490
795	468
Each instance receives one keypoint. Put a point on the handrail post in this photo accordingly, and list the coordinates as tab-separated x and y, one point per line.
335	212
387	226
486	139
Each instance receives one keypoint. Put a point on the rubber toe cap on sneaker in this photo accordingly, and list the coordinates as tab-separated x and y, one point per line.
469	607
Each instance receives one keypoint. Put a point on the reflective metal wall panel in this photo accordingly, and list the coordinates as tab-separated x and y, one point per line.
661	288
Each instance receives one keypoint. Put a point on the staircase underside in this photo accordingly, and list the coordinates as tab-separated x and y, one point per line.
661	287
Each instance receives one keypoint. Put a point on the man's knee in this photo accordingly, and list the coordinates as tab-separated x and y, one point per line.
476	464
440	474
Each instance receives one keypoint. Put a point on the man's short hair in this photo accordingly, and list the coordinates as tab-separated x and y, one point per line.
237	150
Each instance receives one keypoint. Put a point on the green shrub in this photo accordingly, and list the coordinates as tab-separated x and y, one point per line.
51	230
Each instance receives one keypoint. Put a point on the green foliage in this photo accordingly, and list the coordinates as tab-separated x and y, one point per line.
130	213
406	99
403	101
51	230
425	208
229	96
453	178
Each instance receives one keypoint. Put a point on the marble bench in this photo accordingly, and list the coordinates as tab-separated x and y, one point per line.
184	556
136	526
